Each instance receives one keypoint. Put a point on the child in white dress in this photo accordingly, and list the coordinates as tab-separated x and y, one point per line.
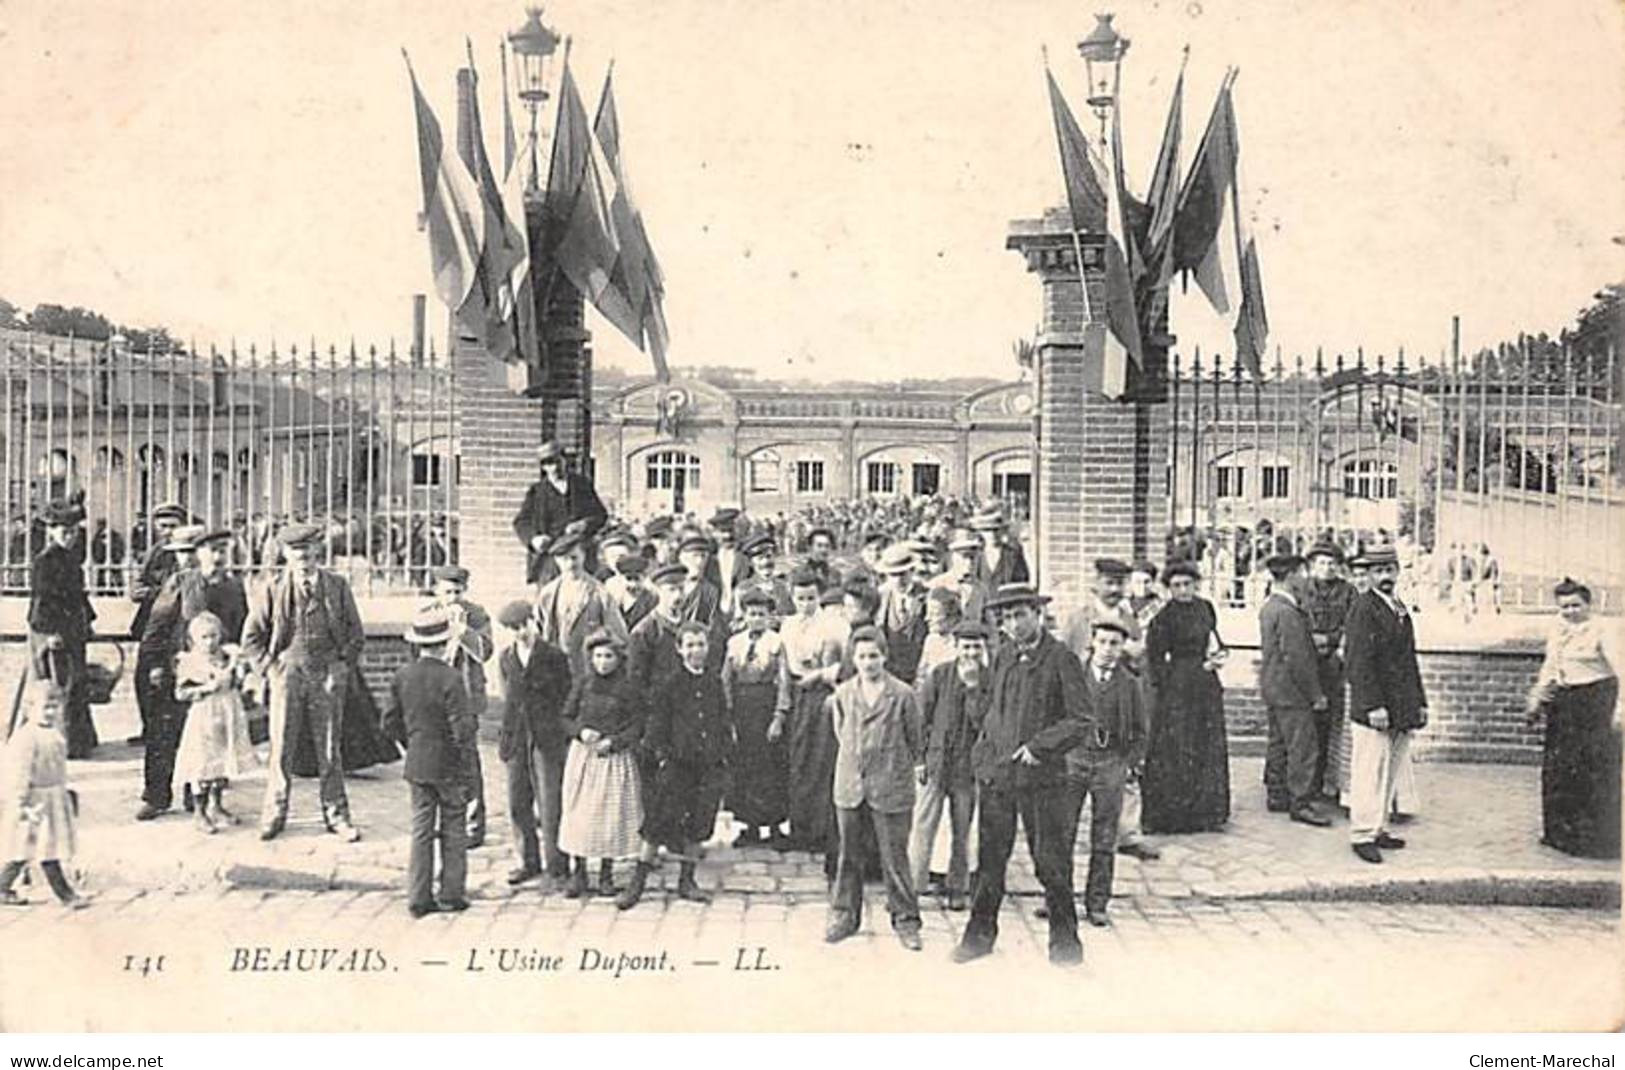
36	814
214	745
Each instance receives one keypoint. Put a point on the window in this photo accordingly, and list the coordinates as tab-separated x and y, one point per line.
1371	480
764	472
809	477
426	470
927	478
882	477
1277	481
669	468
1231	481
109	459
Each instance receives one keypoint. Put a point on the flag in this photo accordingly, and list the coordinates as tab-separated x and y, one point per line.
527	373
452	214
488	312
1162	198
1212	239
1122	339
1085	196
585	245
637	274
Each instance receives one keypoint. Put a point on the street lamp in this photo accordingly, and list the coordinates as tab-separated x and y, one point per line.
534	44
1102	53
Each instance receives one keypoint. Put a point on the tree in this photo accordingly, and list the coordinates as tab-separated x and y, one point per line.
75	322
8	314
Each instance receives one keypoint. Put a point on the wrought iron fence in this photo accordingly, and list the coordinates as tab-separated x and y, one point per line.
363	443
1492	475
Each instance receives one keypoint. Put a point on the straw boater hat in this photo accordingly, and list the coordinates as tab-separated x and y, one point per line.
964	542
988	520
896	558
430	625
549	451
1381	555
1016	594
186	537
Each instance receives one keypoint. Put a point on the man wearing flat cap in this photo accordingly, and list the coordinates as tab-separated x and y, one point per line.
763	550
554	502
156	567
1038	710
198	585
1327	598
304	635
702	600
470	646
1289	682
59	622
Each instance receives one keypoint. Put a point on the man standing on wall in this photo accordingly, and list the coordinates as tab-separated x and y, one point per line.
304	634
554	502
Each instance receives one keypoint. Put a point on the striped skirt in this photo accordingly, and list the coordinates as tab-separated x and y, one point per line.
602	804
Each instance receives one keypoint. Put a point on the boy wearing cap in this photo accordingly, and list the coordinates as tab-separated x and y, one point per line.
953	697
534	681
651	652
628	591
878	744
702	600
573	605
1110	755
611	549
304	636
474	645
60	623
429	716
1289	682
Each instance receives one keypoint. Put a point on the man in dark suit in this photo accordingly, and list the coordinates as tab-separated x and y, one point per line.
1386	704
1327	599
429	715
156	567
1289	680
304	634
1038	709
729	567
1002	558
554	502
1098	771
534	680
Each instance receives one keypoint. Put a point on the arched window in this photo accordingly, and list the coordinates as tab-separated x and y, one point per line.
109	459
765	471
665	469
1369	479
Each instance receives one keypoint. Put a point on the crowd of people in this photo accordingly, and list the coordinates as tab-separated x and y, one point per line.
841	681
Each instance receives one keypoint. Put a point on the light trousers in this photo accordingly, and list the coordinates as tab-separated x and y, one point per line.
1377	759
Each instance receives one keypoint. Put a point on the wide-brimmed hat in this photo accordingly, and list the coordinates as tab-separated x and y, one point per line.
186	537
1326	548
1380	555
899	557
566	543
1016	594
430	625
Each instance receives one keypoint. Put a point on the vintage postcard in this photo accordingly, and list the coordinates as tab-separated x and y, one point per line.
791	516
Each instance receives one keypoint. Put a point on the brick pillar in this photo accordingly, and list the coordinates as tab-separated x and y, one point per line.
1101	462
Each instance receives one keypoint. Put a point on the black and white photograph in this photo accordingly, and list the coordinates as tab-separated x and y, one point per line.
630	516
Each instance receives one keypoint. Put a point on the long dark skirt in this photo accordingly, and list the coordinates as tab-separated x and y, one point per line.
812	769
1579	773
759	791
1187	768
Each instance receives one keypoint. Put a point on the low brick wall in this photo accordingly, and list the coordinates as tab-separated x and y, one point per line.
1476	716
1477	711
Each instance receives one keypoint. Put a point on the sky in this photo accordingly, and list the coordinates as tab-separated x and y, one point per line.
828	184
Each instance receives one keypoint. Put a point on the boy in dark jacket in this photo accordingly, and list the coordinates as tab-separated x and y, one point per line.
534	681
429	716
687	737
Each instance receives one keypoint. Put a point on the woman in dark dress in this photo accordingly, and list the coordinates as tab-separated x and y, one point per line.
1186	787
1577	694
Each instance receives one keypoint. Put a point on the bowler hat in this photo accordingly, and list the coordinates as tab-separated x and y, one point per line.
62	514
1326	548
1283	564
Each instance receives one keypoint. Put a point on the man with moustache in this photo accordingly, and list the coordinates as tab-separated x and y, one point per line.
1289	682
1327	598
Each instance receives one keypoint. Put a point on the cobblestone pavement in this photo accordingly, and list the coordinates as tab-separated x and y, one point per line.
253	960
